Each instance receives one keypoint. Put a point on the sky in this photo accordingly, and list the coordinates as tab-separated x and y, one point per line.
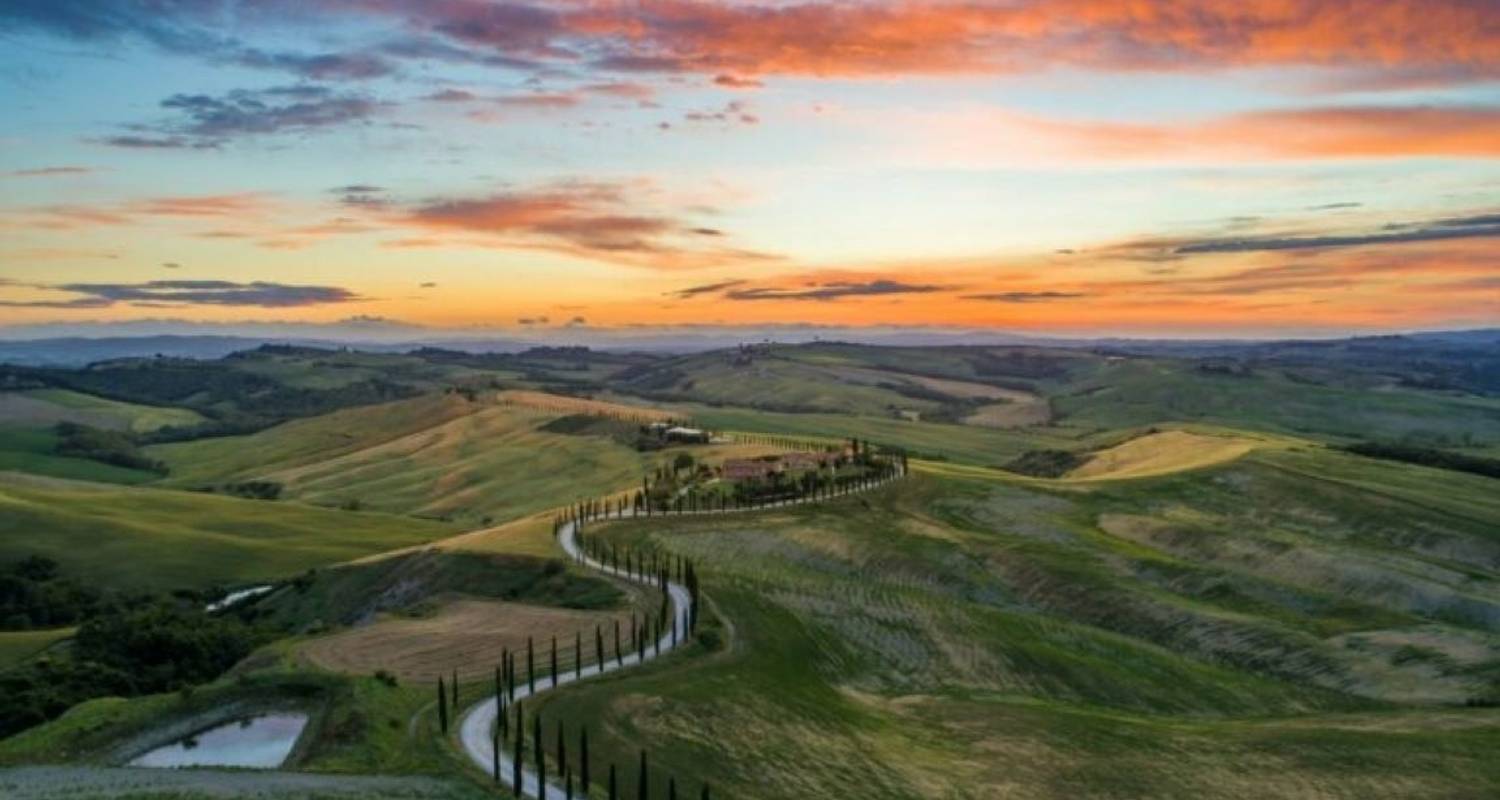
1070	167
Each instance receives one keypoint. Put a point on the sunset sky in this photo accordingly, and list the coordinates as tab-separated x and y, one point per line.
1261	167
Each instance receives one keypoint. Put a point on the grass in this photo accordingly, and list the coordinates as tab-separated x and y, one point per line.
32	450
1135	392
442	456
477	463
411	582
44	407
959	443
147	538
1163	453
968	636
18	646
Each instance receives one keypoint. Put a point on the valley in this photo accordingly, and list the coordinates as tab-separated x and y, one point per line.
1133	594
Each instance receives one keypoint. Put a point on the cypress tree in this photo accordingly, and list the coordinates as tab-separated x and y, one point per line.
530	667
568	785
515	762
562	750
642	791
536	742
599	647
454	687
554	662
577	655
583	761
497	744
442	705
619	659
704	795
614	792
671	789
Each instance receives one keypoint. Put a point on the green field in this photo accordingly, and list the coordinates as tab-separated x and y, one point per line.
440	456
1294	623
145	538
17	646
32	450
42	407
1210	603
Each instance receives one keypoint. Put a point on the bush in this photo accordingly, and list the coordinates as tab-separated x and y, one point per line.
1427	457
107	447
1046	463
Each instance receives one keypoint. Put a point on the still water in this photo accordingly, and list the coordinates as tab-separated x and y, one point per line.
262	741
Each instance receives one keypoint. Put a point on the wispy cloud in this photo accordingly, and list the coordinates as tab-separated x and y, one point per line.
617	222
1025	297
168	294
707	288
835	290
50	172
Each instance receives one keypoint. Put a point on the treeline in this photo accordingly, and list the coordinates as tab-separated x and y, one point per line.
34	594
235	401
117	448
1046	463
1426	456
125	646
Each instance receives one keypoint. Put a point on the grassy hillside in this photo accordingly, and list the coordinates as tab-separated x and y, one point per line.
17	646
475	462
45	407
34	450
1081	393
114	536
1321	617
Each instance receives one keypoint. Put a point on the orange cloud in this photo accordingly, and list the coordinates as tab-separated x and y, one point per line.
597	221
851	39
984	136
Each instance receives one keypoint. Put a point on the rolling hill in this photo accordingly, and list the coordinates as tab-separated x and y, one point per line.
149	538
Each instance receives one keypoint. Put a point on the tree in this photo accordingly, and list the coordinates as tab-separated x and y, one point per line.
614	792
515	762
562	750
671	789
536	742
554	662
642	791
583	761
454	687
704	795
599	647
577	655
442	706
530	666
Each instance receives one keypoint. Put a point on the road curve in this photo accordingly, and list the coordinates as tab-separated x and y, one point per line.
477	725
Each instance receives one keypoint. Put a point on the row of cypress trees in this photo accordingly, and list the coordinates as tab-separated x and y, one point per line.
637	504
643	634
562	768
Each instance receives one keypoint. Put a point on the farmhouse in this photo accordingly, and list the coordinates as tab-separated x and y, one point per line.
681	434
740	469
801	460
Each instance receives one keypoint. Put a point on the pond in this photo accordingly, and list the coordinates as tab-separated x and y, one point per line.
263	741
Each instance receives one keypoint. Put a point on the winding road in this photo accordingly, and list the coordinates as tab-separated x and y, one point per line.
476	726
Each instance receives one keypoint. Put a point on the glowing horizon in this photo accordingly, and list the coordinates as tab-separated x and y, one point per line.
1060	167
